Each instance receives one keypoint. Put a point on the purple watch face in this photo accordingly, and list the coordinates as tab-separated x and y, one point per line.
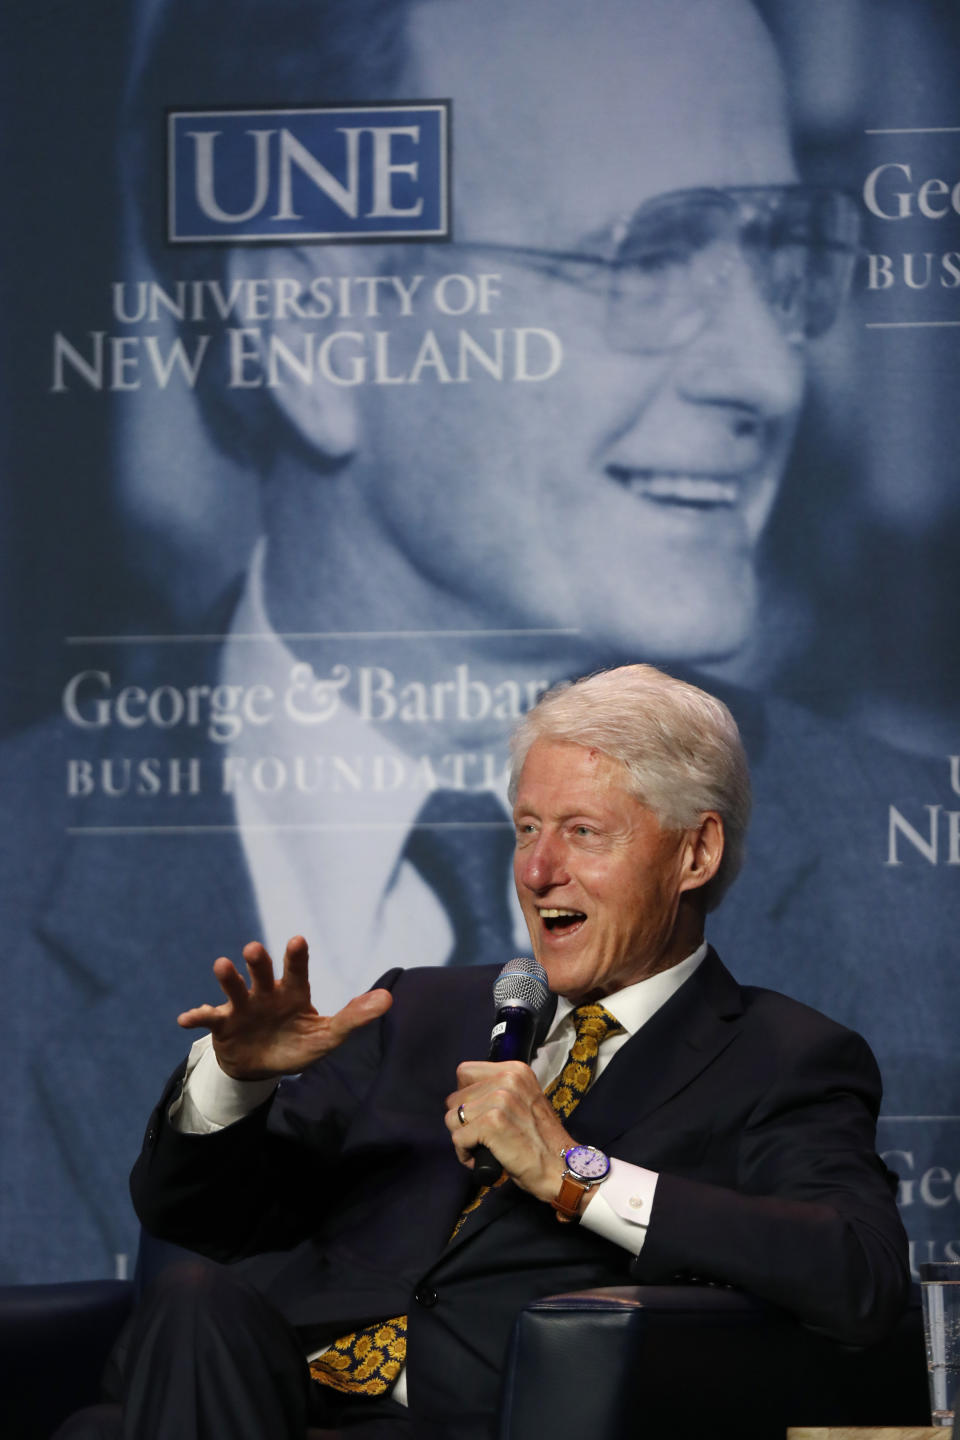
586	1162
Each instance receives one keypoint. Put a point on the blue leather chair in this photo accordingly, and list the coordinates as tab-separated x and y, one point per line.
629	1363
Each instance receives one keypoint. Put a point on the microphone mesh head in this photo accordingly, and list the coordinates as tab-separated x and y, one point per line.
522	982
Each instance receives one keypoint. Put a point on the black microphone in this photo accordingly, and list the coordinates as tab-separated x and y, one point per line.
524	1009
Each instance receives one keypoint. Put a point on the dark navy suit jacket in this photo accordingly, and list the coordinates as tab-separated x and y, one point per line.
343	1190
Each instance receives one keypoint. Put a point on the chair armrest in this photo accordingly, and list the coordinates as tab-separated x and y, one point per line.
633	1361
54	1342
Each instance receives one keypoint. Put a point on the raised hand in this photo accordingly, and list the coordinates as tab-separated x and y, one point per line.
272	1028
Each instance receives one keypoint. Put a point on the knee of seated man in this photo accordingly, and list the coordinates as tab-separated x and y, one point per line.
197	1306
191	1290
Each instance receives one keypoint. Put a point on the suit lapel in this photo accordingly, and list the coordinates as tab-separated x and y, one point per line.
682	1039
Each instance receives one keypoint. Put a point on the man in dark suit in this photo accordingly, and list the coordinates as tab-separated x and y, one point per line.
724	1132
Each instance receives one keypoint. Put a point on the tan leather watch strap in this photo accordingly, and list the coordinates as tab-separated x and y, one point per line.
569	1198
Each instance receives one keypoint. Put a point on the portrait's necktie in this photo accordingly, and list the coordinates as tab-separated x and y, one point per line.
368	1361
462	845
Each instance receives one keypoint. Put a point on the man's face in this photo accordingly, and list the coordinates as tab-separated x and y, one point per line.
624	497
599	880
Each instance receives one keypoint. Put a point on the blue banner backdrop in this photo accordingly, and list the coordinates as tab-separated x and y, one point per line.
368	367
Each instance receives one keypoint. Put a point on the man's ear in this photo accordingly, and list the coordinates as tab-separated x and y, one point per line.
322	412
703	852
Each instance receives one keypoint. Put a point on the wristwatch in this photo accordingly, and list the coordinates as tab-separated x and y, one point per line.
586	1167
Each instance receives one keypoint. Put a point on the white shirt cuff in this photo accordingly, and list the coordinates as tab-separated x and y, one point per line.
620	1209
211	1099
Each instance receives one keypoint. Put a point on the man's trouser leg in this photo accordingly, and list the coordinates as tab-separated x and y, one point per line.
205	1357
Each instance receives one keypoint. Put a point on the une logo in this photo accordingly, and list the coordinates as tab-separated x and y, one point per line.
357	172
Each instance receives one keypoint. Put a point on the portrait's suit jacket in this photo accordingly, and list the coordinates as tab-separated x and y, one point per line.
108	936
757	1112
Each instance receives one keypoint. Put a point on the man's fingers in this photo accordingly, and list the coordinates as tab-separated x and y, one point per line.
471	1072
201	1017
479	1126
463	1132
259	968
465	1156
233	986
484	1076
489	1097
231	982
359	1011
296	961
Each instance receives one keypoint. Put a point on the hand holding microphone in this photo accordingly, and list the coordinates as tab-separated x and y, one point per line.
502	1095
522	1000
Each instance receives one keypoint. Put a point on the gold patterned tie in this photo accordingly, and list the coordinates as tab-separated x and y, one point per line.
368	1361
593	1024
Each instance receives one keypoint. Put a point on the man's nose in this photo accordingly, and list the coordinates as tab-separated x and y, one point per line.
540	866
744	358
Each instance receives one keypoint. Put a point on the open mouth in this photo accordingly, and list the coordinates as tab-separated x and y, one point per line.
703	492
561	920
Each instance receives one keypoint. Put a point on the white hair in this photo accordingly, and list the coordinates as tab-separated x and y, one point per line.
680	747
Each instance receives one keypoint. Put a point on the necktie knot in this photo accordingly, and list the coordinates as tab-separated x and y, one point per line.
593	1024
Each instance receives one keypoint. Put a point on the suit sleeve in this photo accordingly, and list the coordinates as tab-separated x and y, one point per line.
253	1185
810	1222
